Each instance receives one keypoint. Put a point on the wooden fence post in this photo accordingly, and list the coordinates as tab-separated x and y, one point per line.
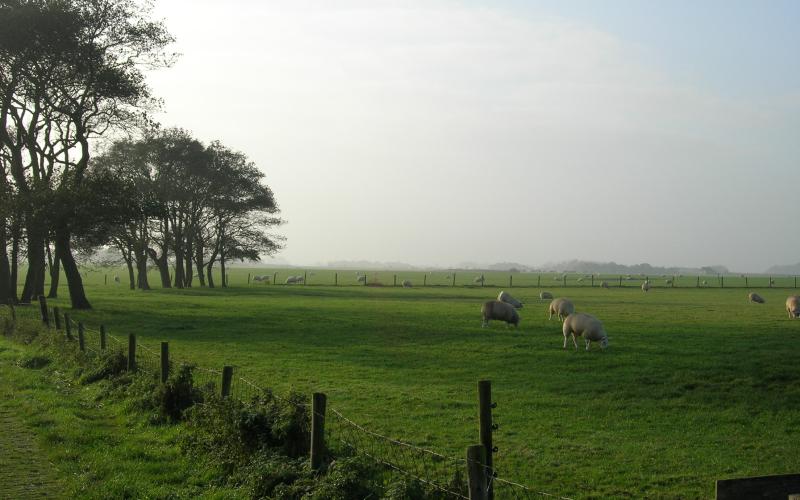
275	278
539	281
164	362
305	277
57	317
131	353
81	337
620	281
248	278
454	279
592	280
476	472
102	337
510	281
68	326
485	406
745	282
770	281
698	282
44	311
227	378
318	404
565	280
722	281
425	279
335	279
395	280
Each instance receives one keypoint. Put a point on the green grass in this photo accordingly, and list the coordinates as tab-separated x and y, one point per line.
61	440
697	384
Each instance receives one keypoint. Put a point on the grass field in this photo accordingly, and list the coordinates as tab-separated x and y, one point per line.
697	384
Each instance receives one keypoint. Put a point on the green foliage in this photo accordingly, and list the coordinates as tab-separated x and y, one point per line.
109	364
33	361
177	395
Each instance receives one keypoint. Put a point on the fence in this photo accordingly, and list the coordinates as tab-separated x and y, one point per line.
508	280
473	476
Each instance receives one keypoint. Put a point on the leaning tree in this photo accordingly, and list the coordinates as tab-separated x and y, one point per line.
70	71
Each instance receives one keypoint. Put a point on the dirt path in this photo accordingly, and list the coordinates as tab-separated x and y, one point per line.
24	472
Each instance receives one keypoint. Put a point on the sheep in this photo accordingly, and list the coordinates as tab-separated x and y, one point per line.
406	283
604	284
299	279
668	282
755	298
361	278
579	279
290	280
478	280
561	307
495	309
580	324
645	286
508	299
704	283
116	279
545	295
793	306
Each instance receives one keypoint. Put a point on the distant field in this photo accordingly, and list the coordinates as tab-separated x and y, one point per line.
238	276
697	384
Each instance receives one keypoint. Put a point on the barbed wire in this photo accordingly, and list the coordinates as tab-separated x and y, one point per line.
438	471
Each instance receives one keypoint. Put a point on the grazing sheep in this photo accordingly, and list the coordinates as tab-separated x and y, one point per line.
604	284
561	307
579	279
290	280
668	282
793	306
406	283
704	283
478	280
263	278
755	298
495	309
361	278
545	295
508	299
646	286
580	324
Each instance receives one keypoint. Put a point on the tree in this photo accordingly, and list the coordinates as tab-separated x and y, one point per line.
69	72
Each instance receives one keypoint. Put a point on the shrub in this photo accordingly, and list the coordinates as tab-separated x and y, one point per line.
33	361
177	395
110	364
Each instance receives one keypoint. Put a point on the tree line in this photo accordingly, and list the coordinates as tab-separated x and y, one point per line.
71	74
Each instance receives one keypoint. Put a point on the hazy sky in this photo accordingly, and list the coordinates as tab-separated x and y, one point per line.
439	132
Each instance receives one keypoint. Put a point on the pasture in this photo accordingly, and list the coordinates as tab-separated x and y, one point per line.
697	384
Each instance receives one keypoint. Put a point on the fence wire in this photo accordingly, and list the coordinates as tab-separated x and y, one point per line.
447	475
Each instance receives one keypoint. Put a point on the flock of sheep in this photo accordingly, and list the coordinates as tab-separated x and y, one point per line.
504	308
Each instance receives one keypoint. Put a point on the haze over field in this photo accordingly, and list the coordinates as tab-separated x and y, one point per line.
438	132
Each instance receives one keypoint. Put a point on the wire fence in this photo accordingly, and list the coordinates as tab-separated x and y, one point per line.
445	474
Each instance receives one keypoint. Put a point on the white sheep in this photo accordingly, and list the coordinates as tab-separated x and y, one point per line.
646	286
406	283
361	278
704	283
545	295
668	282
290	280
561	307
580	324
508	299
604	284
497	310
579	279
478	280
755	298
793	306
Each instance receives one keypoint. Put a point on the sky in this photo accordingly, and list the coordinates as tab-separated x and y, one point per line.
439	132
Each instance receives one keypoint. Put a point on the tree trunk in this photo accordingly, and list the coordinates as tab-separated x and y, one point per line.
77	294
162	265
15	238
131	277
209	268
224	279
5	267
141	268
198	262
189	276
34	279
55	271
178	278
